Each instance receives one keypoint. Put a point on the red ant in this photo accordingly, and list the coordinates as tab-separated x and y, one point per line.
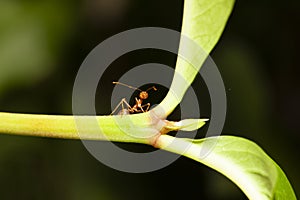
138	107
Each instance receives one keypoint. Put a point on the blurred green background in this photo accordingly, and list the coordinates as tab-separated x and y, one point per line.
42	44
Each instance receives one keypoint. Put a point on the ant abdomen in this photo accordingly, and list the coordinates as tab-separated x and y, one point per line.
124	112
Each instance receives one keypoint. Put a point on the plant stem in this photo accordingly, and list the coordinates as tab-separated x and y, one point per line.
113	128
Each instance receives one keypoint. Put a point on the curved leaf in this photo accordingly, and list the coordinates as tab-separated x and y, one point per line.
185	125
241	160
202	26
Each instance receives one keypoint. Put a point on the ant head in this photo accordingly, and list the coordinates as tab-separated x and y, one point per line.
143	95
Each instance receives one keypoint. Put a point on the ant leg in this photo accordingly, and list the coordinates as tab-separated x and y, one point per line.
139	110
141	107
122	102
116	108
123	111
129	108
147	107
136	107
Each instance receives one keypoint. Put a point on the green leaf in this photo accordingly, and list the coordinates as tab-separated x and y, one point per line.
241	160
203	23
186	124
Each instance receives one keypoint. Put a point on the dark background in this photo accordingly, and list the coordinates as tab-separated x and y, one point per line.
42	44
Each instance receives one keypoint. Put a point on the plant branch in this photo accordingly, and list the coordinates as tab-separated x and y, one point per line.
139	128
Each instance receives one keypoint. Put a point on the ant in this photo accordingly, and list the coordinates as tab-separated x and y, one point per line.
138	107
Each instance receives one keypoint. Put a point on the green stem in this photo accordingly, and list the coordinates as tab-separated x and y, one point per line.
113	128
142	128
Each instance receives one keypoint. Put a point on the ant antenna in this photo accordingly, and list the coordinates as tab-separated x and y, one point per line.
127	85
153	87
